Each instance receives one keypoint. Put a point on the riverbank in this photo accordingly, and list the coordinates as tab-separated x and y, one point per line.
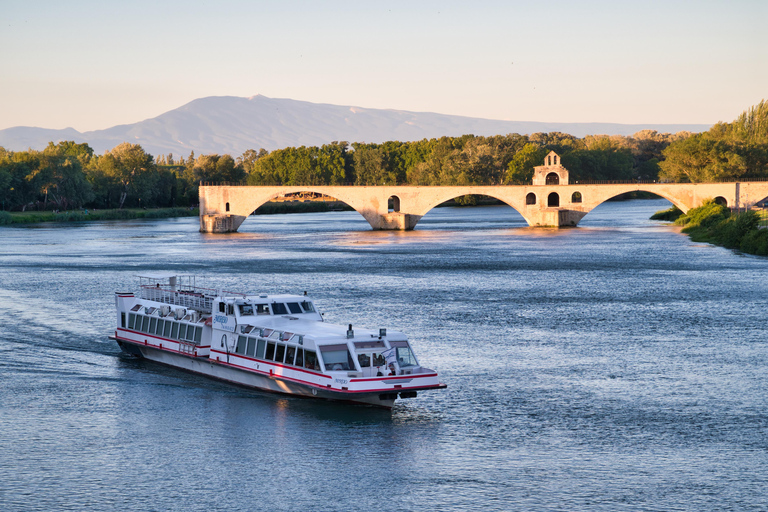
86	215
718	225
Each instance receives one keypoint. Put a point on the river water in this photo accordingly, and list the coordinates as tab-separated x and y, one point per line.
615	366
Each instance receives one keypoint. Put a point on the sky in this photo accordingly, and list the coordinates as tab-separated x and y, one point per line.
96	64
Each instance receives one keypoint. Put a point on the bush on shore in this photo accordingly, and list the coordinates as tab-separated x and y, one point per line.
715	224
670	215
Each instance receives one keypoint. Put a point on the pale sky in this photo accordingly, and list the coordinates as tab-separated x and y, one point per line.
95	64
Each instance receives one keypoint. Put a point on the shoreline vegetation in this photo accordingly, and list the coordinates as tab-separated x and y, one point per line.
89	215
712	223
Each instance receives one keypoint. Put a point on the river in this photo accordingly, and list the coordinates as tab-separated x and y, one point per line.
615	366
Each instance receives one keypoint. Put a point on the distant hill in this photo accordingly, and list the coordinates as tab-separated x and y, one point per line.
228	124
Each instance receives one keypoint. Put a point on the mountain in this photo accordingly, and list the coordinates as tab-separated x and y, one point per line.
228	124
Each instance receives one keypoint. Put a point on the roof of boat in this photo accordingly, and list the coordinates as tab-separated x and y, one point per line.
157	275
319	331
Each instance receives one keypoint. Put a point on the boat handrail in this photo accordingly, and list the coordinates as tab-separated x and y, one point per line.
192	299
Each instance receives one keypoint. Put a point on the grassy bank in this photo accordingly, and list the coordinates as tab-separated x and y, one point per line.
716	224
32	217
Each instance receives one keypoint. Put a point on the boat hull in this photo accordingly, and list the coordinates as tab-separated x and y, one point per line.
222	371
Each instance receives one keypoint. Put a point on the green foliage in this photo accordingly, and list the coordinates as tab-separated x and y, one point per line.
727	152
520	169
601	164
714	223
670	215
5	218
755	242
730	232
706	215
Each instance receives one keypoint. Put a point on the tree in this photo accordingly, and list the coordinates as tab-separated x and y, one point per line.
700	158
134	170
520	169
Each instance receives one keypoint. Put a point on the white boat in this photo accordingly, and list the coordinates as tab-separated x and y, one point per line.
276	343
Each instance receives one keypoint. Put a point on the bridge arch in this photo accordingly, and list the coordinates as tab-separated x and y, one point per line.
487	192
592	201
721	201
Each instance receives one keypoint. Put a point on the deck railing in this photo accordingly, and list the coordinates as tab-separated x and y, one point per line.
199	299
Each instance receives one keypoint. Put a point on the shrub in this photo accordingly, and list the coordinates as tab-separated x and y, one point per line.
755	242
670	215
730	232
706	215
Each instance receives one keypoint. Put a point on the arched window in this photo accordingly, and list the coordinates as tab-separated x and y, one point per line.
395	202
553	200
576	197
530	198
549	159
227	206
553	179
554	159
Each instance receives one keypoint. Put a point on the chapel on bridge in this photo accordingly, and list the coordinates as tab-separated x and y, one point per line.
552	172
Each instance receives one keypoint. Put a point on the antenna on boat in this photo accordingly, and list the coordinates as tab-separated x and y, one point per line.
350	332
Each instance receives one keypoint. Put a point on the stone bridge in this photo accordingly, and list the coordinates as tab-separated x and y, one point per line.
549	201
224	208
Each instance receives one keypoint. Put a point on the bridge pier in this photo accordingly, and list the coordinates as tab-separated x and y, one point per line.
398	221
553	217
218	223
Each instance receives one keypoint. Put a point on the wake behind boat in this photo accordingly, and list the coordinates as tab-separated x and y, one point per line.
277	343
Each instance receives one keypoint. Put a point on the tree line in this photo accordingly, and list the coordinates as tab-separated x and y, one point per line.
727	152
69	175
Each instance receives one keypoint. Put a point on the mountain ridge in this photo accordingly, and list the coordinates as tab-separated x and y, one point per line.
233	124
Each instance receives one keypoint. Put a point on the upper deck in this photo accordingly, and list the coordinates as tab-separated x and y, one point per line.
180	291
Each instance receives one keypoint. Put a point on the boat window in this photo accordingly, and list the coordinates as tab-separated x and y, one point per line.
278	308
260	346
249	349
405	357
182	331
144	323
364	360
310	360
136	307
262	309
198	334
160	324
299	357
246	310
308	307
222	307
230	309
378	360
290	354
175	330
294	307
337	358
279	352
270	351
122	319
167	330
131	320
241	342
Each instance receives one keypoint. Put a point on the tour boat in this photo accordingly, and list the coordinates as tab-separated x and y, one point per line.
276	343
